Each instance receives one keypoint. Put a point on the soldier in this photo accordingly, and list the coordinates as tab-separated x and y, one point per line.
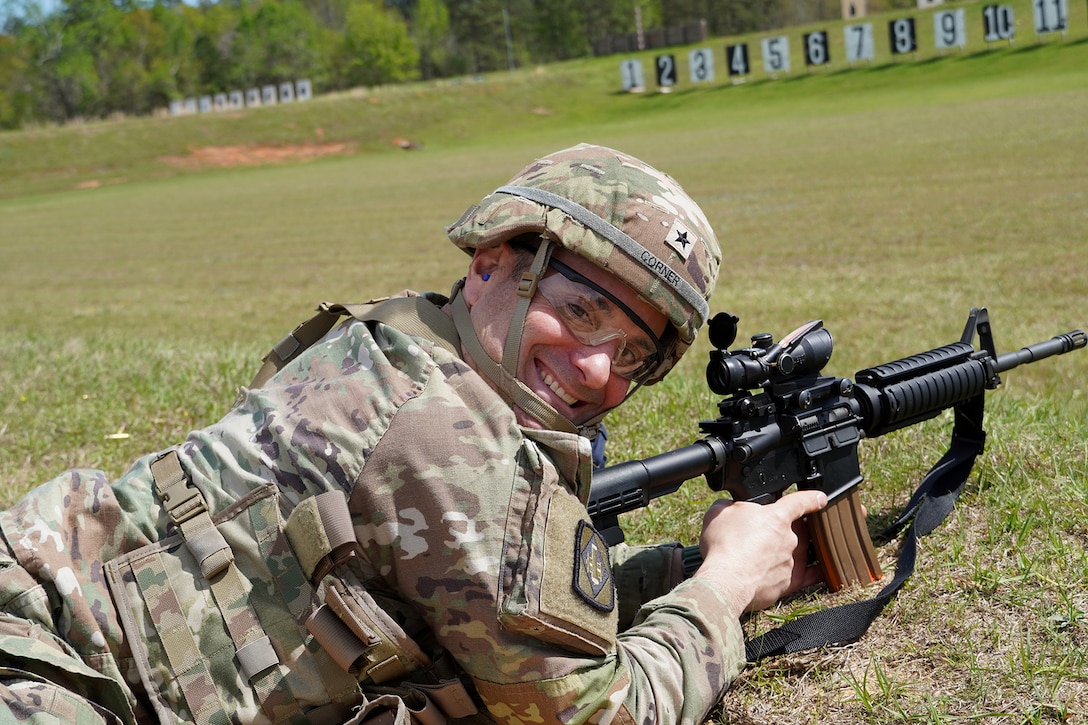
389	526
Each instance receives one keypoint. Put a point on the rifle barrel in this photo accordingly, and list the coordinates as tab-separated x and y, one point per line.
1057	345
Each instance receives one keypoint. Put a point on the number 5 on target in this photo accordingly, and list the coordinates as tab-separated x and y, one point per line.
776	55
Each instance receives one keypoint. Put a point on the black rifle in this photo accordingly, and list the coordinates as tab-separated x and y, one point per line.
783	423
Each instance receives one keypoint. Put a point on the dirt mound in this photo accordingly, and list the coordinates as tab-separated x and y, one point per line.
226	156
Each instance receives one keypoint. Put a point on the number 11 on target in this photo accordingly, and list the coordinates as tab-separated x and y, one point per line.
1050	16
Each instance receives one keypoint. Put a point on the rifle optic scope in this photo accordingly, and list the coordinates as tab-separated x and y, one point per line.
804	351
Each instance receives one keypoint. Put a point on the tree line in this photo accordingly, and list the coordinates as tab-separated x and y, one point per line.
96	58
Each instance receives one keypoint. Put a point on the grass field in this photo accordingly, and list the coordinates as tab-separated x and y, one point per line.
885	200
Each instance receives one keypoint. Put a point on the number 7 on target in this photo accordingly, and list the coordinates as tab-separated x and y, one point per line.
858	40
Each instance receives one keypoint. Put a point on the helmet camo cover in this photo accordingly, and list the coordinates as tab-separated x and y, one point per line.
621	214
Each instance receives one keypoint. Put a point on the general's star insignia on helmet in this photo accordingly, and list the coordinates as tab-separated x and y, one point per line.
678	239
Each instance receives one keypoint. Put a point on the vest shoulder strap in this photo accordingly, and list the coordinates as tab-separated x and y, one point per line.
417	315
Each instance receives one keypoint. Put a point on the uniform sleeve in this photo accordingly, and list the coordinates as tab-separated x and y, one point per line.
642	573
471	524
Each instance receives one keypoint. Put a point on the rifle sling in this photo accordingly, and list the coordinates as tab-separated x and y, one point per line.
929	506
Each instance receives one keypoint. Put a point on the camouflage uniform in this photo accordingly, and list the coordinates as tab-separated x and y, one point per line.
472	535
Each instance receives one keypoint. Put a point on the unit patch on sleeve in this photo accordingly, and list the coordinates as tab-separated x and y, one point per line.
592	570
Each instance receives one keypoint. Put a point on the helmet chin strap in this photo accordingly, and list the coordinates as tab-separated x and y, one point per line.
526	289
504	376
513	391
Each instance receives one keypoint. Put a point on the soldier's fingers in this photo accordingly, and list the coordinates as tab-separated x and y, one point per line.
802	503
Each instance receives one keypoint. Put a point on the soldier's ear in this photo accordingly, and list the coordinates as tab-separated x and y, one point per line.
488	267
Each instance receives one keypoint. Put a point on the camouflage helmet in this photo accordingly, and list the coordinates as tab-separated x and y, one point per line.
622	215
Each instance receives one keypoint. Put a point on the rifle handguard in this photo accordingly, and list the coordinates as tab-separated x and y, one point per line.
843	546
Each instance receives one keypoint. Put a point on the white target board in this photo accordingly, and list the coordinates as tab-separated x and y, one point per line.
776	54
949	29
999	21
1050	16
858	42
738	60
701	65
631	75
817	51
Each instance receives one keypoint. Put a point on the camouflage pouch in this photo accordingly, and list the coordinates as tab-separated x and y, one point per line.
211	649
565	594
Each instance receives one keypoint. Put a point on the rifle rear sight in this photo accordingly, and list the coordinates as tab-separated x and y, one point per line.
803	352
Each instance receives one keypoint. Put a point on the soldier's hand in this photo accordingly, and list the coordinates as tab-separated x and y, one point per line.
755	553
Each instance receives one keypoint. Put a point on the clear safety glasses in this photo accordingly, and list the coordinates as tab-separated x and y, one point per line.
595	316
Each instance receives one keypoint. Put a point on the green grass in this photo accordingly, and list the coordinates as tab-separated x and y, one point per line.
886	201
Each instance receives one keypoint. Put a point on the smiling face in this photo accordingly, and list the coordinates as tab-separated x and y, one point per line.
574	377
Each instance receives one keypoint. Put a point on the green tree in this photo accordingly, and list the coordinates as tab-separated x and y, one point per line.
560	29
479	36
16	101
737	17
376	47
215	29
61	47
279	42
150	62
173	69
430	23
